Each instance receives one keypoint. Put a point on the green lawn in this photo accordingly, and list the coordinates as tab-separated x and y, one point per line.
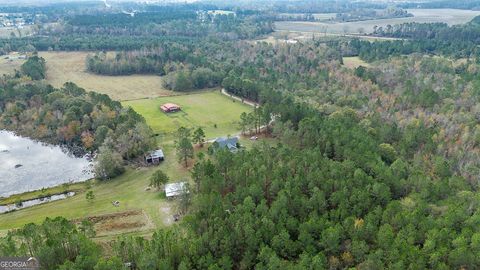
205	109
42	193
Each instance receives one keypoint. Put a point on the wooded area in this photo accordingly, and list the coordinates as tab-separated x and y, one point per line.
371	167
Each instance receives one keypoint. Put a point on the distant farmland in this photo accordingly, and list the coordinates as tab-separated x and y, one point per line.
449	16
70	66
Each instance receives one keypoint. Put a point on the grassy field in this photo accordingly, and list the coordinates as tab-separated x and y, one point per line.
65	67
140	211
8	66
449	16
204	109
70	67
354	62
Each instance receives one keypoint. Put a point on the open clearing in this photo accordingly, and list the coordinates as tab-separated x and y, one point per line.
449	16
204	109
70	67
8	66
354	62
140	211
65	67
121	223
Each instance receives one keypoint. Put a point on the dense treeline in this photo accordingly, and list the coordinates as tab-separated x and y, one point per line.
34	68
466	32
437	93
78	42
58	244
242	68
308	6
371	14
125	20
158	23
371	51
125	63
198	78
109	31
461	4
185	71
457	41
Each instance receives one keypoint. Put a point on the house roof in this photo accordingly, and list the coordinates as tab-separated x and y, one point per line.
170	106
230	143
156	154
175	189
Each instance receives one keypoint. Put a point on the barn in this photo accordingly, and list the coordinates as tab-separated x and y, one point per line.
170	107
154	157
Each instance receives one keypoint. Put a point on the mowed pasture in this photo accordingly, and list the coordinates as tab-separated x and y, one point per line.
8	66
449	16
65	67
216	113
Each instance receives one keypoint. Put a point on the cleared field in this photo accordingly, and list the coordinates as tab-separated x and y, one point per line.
8	66
449	16
121	223
205	109
70	67
354	62
140	211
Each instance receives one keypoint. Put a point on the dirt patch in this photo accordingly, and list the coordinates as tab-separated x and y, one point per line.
119	223
166	212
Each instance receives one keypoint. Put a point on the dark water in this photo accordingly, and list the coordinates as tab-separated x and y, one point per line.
25	204
27	165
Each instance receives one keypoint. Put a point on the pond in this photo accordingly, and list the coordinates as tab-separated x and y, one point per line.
29	203
27	165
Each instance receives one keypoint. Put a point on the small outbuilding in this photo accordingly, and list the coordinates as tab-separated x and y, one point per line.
170	107
231	143
175	189
154	157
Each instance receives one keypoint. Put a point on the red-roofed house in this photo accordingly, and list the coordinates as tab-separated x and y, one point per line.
170	107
